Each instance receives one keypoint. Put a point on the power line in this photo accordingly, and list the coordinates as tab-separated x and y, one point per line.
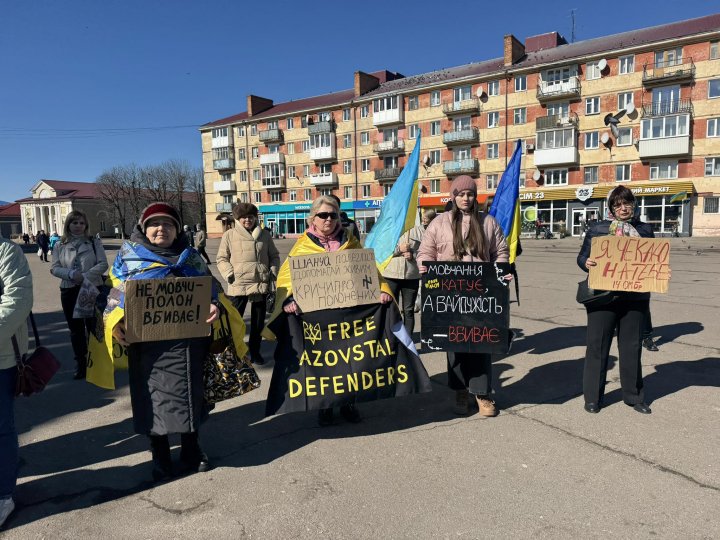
82	133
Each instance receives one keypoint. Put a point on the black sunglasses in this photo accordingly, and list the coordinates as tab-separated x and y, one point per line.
325	215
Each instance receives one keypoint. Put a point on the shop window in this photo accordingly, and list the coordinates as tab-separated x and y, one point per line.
711	205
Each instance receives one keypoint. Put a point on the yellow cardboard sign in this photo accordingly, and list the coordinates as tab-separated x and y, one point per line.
630	264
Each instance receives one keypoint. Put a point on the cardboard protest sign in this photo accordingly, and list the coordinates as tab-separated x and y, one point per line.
332	358
630	263
465	307
167	308
338	279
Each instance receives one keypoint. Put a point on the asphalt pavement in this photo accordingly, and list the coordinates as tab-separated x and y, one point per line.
544	468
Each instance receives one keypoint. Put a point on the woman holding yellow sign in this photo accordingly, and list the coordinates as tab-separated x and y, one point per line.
625	311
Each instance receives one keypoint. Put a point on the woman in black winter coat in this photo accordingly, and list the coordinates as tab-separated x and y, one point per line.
626	313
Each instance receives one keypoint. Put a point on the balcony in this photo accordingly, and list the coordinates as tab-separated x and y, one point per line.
665	108
323	179
325	126
466	106
223	142
388	116
461	166
550	90
226	185
387	174
563	155
390	147
271	136
272	159
668	71
273	182
461	136
223	164
555	121
664	147
324	153
223	207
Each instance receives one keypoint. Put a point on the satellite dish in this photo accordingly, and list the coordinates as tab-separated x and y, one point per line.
536	175
602	64
604	138
426	159
630	108
480	92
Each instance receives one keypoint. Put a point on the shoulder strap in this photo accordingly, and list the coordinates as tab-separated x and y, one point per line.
35	330
17	349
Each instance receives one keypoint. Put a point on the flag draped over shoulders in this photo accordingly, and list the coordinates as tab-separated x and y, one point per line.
398	213
506	204
135	261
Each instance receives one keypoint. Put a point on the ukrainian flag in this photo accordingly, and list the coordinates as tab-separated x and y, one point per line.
506	204
398	212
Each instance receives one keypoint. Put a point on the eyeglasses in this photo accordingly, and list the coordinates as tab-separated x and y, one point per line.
327	215
248	217
618	206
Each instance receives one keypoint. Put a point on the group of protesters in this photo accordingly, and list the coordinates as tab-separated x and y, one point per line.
166	377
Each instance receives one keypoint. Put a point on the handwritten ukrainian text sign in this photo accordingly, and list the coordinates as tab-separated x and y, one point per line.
168	308
631	264
465	307
332	358
335	280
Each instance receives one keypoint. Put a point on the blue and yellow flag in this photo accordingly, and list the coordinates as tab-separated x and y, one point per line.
506	204
398	212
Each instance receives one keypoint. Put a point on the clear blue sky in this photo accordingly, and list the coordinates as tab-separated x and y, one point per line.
119	64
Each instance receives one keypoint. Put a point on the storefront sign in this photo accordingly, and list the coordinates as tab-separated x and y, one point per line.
442	200
584	193
269	208
601	191
367	204
632	264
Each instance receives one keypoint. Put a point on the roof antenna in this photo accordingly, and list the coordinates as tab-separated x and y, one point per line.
572	34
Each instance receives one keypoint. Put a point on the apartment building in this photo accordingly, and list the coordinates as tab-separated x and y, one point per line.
640	108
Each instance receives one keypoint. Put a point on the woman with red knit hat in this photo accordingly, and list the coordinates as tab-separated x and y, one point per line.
463	233
166	376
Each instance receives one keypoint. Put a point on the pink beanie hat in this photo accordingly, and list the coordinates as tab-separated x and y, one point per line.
461	183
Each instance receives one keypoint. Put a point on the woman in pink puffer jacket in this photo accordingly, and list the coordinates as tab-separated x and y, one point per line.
463	233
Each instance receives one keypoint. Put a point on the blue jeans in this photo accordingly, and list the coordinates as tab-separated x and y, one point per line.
8	433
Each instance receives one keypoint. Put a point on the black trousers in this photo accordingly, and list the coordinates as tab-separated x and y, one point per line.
257	321
628	316
471	371
79	328
647	325
203	253
408	289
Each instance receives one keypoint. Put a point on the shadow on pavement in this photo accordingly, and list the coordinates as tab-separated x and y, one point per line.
670	332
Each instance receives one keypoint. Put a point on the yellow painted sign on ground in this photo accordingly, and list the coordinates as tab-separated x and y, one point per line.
167	308
339	279
630	264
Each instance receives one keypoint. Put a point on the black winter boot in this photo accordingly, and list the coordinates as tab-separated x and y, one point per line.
162	462
192	458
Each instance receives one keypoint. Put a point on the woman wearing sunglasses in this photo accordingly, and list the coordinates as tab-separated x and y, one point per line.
324	233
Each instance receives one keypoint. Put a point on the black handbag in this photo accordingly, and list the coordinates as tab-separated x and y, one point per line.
593	297
226	375
270	298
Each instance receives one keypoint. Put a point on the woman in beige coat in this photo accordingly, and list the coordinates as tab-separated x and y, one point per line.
465	234
249	261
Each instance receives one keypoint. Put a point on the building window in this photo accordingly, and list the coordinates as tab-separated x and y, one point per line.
668	58
346	115
272	124
712	166
491	181
412	131
435	98
321	140
243	197
241	131
591	175
306	170
254	152
713	127
347	140
592	140
306	145
256	175
434	156
592	105
556	177
347	166
413	103
364	111
462	93
520	83
556	138
493	119
290	148
665	126
273	175
253	129
241	154
626	64
711	205
493	88
713	88
243	176
289	123
435	128
493	151
275	196
226	177
366	191
273	149
365	165
520	115
307	194
622	172
714	50
364	137
592	71
325	191
219	132
435	185
292	195
347	192
624	99
624	137
388	103
258	196
663	170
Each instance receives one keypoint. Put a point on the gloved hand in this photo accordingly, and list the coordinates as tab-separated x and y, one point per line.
231	279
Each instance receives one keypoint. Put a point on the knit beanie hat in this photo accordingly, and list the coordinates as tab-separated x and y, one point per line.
158	209
461	183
